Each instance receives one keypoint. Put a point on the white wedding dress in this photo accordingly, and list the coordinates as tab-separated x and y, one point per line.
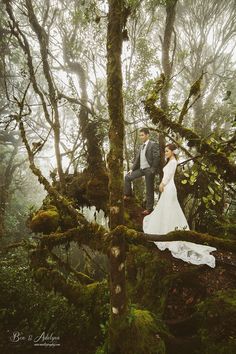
168	216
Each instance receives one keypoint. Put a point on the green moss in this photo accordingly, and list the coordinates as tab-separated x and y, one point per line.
140	331
45	221
143	334
67	222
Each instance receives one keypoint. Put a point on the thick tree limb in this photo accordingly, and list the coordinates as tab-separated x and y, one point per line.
98	238
84	296
219	159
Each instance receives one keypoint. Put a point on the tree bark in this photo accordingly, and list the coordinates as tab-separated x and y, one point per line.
115	170
167	66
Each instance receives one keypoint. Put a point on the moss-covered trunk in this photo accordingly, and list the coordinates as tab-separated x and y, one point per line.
115	169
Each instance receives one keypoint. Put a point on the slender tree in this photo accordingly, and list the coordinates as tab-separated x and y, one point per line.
167	62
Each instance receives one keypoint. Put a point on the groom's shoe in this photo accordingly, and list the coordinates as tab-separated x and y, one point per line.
146	212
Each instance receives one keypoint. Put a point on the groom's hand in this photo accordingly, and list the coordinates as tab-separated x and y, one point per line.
129	172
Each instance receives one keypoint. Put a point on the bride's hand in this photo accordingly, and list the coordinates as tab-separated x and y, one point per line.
161	187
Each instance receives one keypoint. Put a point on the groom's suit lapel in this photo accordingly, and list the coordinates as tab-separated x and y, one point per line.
148	147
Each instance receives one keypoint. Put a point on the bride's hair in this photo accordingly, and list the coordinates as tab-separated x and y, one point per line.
172	147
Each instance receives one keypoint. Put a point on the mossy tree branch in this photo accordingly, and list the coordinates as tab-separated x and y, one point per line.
83	293
97	238
194	91
179	235
219	159
84	296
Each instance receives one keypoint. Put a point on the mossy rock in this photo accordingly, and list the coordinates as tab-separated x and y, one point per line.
45	221
217	323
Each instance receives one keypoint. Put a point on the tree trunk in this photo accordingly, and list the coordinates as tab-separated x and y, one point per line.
115	170
167	66
55	121
3	198
6	181
89	129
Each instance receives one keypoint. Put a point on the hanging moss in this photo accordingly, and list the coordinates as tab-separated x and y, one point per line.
88	188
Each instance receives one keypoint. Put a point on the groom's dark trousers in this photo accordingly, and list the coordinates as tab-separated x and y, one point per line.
149	180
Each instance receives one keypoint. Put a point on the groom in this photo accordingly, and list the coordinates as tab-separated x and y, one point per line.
146	164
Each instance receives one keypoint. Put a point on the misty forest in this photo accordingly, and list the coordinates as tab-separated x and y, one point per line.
78	80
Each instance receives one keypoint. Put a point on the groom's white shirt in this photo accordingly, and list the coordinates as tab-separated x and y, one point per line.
143	161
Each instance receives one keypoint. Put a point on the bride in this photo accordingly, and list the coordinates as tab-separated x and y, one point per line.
168	216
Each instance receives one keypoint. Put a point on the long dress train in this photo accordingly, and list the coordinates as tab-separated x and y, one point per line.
168	216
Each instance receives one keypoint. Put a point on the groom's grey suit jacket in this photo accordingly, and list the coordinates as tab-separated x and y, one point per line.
152	154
